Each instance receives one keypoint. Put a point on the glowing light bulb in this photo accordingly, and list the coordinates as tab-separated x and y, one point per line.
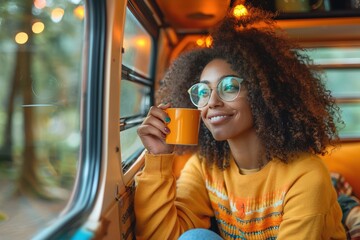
200	42
240	10
208	41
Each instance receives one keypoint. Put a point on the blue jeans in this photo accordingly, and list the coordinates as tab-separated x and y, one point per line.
199	233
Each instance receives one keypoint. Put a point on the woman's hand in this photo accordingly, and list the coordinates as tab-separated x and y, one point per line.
153	130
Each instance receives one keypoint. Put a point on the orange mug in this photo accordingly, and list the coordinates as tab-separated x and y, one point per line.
184	126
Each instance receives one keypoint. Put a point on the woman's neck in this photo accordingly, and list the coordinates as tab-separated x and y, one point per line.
247	150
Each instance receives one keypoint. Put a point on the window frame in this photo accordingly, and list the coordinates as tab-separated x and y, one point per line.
147	21
88	175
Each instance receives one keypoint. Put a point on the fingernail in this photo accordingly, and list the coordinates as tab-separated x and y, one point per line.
167	130
167	119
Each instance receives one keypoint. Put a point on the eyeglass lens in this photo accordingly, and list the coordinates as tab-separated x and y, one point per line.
227	89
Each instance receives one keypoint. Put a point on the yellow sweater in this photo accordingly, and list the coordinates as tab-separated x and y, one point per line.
282	201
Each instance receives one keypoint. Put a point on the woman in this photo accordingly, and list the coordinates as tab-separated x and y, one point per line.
265	117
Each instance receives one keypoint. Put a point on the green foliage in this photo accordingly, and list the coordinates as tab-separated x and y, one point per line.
55	75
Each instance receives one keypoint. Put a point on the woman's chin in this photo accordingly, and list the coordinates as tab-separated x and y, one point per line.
219	137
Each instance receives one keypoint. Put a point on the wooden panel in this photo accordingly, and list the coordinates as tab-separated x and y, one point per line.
127	214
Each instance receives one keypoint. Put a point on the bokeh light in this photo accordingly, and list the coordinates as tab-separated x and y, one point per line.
57	14
79	12
38	27
40	4
140	42
21	38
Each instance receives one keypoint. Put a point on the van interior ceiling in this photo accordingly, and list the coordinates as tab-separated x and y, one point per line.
186	18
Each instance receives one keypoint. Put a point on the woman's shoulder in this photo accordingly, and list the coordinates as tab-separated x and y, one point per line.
304	164
307	161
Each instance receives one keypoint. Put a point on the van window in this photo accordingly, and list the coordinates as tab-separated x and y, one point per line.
40	78
138	46
342	77
136	86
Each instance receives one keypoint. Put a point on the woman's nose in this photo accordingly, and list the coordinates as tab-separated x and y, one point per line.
214	100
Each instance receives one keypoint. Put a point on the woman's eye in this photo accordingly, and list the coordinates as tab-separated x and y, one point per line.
230	88
203	93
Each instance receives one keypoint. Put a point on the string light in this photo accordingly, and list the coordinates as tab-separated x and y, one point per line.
208	41
204	41
200	42
239	11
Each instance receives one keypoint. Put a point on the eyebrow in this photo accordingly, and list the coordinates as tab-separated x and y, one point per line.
205	81
221	78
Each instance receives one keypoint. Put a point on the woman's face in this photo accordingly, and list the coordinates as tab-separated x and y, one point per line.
225	120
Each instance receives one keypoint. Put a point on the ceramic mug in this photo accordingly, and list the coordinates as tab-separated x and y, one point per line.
297	5
184	126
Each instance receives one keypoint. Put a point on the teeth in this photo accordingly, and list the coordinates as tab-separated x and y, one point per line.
216	118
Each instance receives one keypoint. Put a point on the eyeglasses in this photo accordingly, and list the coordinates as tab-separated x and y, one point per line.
227	89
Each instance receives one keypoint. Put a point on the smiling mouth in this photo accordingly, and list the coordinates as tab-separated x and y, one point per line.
217	119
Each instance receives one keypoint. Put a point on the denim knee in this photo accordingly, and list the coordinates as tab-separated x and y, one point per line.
199	233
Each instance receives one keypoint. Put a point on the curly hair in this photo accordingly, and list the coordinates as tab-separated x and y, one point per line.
292	110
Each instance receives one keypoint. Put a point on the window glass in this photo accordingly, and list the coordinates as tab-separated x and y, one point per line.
130	148
135	98
138	46
136	87
40	73
351	116
342	78
344	55
344	83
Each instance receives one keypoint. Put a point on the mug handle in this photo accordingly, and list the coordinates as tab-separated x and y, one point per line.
317	5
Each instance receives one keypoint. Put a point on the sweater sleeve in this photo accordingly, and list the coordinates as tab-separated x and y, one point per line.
164	210
311	210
